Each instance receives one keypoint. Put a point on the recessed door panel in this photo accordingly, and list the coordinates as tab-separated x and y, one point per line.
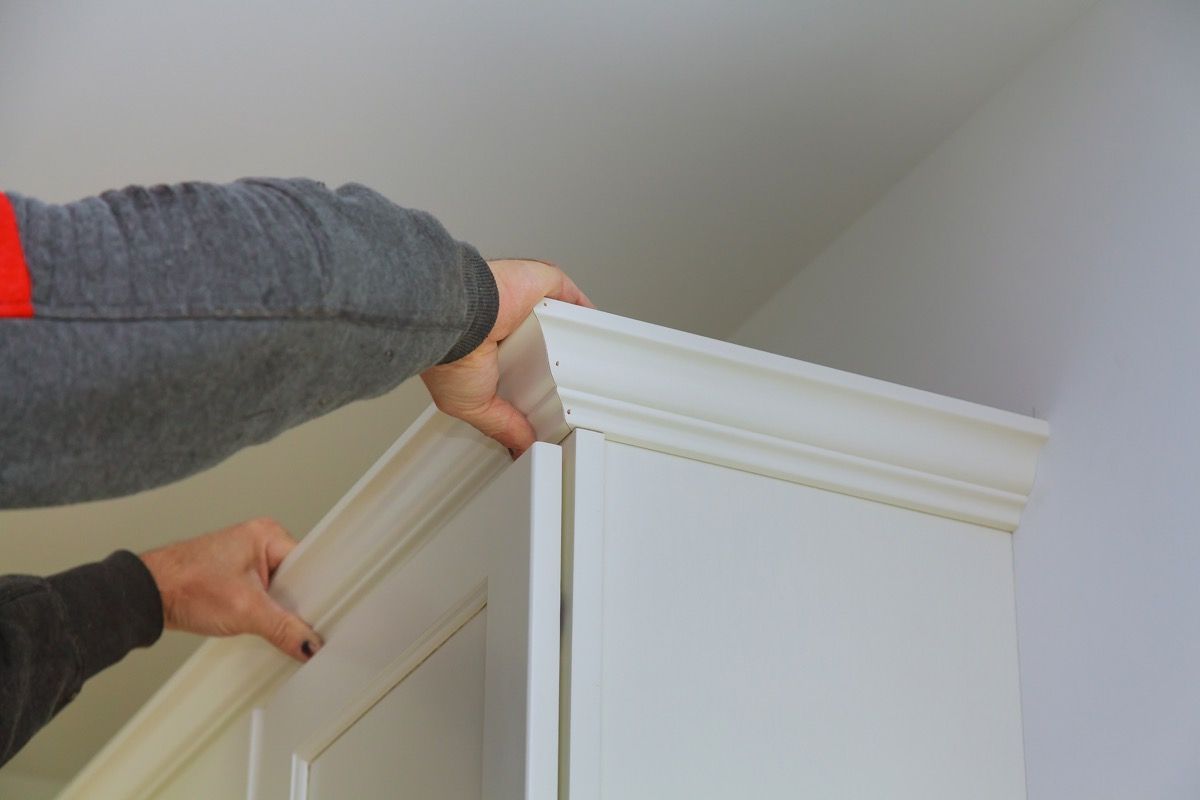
423	739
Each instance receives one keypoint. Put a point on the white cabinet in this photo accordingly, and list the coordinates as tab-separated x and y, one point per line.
720	574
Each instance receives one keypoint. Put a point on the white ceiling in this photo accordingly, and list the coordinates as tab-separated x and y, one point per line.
681	160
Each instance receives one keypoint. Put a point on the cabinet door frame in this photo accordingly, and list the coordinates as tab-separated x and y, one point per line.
581	676
463	567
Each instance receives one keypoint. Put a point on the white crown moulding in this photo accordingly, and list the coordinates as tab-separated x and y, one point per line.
426	475
571	367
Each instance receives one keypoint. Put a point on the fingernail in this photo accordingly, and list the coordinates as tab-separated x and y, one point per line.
307	648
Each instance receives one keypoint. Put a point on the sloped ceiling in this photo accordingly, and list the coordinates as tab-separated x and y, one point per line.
680	160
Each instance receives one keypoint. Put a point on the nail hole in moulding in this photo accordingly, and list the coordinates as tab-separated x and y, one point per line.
568	411
556	363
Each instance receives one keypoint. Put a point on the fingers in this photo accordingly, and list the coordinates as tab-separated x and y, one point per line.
500	420
467	388
557	285
277	543
570	293
529	280
287	632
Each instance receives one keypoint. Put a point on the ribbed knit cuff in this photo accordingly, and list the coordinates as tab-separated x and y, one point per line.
483	304
112	607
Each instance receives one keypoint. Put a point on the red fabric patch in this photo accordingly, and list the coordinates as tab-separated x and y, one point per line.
16	288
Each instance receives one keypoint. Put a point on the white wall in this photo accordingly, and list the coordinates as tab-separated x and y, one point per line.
28	787
644	146
1047	257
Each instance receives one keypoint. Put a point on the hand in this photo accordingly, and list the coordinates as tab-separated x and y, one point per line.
466	388
216	585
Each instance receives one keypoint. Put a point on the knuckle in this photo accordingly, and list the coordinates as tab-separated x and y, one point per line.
265	528
265	523
278	634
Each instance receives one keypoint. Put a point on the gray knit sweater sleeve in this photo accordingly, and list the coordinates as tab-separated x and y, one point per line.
174	325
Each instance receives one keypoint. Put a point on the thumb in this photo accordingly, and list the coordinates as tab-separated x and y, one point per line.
501	420
287	632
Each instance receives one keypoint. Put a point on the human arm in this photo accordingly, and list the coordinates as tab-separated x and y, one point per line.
59	631
175	325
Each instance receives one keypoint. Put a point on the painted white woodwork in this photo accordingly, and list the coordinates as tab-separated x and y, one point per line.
501	550
425	735
431	470
776	579
759	633
582	632
222	767
570	367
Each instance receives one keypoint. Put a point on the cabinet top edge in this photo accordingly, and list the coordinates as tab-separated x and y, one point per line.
569	367
599	324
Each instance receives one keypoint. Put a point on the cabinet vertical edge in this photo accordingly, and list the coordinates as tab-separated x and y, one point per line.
582	611
543	572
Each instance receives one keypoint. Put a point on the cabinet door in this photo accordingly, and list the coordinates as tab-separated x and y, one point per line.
442	681
740	636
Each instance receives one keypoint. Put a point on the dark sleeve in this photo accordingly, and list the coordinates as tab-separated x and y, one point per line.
174	325
57	632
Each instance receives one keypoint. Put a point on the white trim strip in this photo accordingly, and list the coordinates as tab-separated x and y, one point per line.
569	367
430	471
